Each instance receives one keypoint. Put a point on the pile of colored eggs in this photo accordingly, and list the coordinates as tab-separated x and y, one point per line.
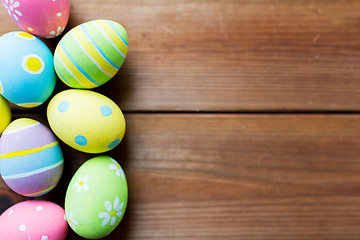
31	160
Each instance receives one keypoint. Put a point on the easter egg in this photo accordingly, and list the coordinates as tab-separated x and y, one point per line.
34	219
86	120
31	161
5	114
44	18
90	54
96	197
27	76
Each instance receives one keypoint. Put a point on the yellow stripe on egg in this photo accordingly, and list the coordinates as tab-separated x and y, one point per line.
108	33
29	104
89	49
113	36
57	60
28	151
71	75
36	193
71	68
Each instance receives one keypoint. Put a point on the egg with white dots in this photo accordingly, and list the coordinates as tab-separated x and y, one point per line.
43	18
91	54
33	219
86	121
27	76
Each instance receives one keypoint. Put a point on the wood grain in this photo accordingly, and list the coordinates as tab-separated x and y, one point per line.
229	175
234	176
202	55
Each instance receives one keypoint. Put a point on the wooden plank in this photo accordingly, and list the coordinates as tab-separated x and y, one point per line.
231	55
234	176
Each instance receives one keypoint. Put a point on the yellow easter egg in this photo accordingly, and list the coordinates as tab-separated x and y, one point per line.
86	120
5	113
90	54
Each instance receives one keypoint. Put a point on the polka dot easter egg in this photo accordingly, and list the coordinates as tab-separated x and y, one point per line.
31	161
41	220
90	54
86	120
27	76
5	114
96	198
44	18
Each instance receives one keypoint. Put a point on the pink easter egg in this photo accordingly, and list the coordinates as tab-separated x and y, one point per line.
44	18
42	220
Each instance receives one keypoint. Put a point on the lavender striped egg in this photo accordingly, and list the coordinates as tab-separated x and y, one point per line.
31	160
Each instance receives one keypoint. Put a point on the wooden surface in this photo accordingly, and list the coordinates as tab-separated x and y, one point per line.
242	118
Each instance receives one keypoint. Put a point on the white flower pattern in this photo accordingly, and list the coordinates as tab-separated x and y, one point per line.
10	6
70	219
56	33
116	166
81	183
22	228
113	211
39	208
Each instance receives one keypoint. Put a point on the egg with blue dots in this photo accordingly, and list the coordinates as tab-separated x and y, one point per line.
31	160
86	121
27	76
44	18
5	113
91	54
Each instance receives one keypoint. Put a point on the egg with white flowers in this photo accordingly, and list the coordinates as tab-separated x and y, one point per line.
34	219
86	121
43	18
27	76
96	197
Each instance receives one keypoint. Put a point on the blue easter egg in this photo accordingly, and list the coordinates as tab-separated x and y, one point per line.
27	75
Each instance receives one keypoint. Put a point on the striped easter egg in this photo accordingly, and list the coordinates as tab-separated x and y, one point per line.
31	161
91	54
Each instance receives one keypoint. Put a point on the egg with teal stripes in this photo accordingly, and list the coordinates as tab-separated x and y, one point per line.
91	54
31	160
27	76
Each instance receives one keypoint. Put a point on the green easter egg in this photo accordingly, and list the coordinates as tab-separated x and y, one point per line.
96	198
91	53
